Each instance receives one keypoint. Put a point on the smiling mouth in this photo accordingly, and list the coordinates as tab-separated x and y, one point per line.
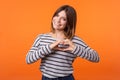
57	24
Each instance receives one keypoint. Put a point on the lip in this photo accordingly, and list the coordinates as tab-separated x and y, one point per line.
57	24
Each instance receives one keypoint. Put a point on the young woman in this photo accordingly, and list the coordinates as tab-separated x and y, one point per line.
59	48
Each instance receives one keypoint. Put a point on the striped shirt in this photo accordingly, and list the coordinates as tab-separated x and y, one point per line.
58	63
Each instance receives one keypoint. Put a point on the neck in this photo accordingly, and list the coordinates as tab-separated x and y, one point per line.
60	34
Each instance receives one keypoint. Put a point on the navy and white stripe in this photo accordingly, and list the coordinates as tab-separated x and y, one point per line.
58	63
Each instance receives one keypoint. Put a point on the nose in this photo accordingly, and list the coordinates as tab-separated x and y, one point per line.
58	20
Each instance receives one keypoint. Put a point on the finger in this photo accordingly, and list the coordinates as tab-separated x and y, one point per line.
53	45
58	49
57	42
66	50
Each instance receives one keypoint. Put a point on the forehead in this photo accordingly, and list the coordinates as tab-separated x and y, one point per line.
62	13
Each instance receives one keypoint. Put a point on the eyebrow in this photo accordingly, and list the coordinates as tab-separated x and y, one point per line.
62	16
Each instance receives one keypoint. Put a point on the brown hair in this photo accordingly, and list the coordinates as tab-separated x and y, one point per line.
71	20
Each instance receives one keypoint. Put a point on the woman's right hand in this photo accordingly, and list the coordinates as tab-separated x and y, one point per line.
55	44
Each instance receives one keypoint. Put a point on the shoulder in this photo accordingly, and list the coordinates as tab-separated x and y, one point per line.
42	35
39	35
78	39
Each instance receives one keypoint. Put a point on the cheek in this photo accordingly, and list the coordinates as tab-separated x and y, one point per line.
54	18
64	22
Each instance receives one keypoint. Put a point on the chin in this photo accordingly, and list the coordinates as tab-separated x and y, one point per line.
57	28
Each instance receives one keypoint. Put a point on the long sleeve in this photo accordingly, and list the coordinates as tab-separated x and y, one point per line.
84	51
37	51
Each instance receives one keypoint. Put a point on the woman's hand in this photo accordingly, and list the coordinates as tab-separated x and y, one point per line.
55	46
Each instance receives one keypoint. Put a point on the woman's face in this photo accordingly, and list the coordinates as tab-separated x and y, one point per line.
59	21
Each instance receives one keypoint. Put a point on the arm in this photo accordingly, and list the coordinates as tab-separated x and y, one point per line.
83	50
37	51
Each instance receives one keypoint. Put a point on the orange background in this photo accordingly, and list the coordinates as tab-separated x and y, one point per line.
98	25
